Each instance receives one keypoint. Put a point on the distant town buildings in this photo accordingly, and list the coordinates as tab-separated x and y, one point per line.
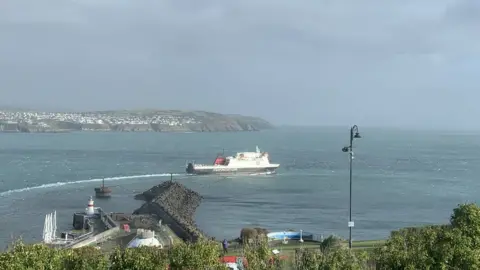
43	118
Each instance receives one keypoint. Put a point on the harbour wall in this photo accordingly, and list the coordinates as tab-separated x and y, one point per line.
111	228
95	238
107	219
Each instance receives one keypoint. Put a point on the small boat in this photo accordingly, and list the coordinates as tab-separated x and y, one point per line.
103	191
257	162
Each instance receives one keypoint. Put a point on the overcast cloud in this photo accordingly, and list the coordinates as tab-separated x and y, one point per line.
369	62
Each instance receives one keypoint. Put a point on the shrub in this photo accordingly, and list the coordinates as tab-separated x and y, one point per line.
332	255
261	231
141	258
86	258
248	234
342	258
330	243
201	255
259	255
204	254
31	257
454	246
307	259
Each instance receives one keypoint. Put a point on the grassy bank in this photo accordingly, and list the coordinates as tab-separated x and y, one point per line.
291	246
367	244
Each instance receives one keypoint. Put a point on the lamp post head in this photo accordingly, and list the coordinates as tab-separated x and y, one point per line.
357	135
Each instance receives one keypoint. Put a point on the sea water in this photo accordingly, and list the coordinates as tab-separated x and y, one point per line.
400	178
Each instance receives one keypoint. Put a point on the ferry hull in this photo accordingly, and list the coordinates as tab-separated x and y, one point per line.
229	171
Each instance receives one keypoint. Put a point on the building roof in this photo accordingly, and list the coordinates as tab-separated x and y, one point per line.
141	242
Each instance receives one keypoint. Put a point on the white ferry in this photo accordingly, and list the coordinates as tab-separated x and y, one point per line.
241	163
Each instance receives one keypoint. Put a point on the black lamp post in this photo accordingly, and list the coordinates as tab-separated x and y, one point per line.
353	135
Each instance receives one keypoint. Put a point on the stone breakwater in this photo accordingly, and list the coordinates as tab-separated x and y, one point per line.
153	192
175	205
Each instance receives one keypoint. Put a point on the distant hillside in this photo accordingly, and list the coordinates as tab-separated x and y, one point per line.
16	120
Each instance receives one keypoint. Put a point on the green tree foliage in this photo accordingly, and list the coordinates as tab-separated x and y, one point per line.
466	218
343	258
141	258
31	257
259	255
332	255
87	258
201	255
307	259
330	243
453	246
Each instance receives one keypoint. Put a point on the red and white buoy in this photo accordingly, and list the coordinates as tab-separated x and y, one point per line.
90	209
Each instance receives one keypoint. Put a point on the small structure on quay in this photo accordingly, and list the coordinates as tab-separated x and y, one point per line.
144	238
90	226
50	228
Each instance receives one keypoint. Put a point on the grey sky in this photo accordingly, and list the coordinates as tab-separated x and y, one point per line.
369	62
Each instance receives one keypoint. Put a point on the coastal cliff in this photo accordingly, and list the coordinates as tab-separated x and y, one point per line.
128	121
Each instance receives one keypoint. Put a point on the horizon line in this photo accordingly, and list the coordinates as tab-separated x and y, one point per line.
379	127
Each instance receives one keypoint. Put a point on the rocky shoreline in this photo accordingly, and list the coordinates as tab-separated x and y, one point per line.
22	128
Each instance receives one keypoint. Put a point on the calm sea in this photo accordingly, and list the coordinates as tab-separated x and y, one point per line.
401	178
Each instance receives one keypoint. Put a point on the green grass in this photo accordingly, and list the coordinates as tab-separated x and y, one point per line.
289	249
364	244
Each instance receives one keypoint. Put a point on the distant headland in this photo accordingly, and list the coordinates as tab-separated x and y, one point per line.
30	121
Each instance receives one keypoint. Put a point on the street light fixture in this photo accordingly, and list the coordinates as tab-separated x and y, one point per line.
354	134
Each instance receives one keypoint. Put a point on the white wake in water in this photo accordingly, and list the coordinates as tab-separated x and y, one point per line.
59	184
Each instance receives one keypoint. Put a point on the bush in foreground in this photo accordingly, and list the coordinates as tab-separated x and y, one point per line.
142	258
31	257
330	255
202	255
453	246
